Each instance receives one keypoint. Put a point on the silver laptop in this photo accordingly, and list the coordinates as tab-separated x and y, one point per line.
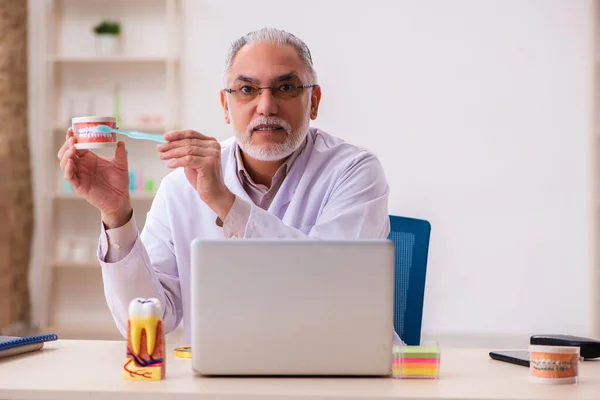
292	307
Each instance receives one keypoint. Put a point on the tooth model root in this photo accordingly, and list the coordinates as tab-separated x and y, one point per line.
145	358
147	324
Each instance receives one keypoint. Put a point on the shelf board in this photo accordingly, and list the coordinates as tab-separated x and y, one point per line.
111	59
75	196
74	264
98	332
139	128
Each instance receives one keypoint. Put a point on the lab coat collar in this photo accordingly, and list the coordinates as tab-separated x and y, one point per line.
231	177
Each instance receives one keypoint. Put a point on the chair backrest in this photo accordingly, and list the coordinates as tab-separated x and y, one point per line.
411	239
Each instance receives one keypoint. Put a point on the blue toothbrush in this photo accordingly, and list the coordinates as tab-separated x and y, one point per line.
132	134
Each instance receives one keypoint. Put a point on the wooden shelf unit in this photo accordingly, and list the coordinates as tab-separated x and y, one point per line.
78	82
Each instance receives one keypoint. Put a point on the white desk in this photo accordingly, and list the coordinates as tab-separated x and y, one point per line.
92	370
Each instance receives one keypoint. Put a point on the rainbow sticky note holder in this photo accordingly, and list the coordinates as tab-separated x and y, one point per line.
417	362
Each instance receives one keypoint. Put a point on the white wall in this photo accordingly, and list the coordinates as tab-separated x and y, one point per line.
480	113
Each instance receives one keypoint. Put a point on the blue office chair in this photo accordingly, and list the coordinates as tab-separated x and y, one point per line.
411	239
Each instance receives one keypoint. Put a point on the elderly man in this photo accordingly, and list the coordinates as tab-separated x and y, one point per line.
276	178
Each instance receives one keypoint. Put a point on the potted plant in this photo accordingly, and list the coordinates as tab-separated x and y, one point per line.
108	35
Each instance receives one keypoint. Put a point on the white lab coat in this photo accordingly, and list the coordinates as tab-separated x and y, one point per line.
334	190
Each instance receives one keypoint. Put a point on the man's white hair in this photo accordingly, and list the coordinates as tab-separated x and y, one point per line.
276	36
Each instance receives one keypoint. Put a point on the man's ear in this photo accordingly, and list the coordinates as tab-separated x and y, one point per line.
315	99
225	106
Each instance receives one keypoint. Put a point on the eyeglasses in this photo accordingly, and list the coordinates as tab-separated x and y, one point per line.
283	91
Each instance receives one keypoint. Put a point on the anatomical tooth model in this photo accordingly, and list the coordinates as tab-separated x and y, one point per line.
146	355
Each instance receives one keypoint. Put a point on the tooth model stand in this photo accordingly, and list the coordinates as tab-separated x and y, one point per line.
146	357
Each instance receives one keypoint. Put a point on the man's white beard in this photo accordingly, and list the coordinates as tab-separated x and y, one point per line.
273	151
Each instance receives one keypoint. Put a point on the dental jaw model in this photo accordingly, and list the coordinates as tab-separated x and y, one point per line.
146	357
89	136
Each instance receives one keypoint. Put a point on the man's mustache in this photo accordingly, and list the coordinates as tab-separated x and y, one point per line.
269	121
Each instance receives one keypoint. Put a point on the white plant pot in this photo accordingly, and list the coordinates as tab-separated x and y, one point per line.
108	45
